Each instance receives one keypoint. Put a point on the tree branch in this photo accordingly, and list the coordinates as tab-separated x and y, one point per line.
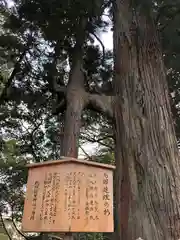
4	94
4	226
93	140
87	155
60	107
31	135
58	88
101	103
20	233
102	45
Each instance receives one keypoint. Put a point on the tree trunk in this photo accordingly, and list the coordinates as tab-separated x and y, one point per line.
76	99
147	164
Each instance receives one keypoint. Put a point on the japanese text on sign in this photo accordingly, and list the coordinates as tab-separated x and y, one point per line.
91	206
106	195
34	200
72	194
50	197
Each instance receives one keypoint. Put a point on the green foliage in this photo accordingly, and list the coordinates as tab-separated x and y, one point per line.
13	175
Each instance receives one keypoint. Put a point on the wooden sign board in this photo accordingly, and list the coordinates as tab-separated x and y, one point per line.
69	196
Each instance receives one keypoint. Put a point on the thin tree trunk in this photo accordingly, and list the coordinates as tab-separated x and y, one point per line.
76	99
147	163
76	96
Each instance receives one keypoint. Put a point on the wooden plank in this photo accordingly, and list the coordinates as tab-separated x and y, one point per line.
67	160
69	197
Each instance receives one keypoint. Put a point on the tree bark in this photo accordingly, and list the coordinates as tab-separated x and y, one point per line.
76	99
147	177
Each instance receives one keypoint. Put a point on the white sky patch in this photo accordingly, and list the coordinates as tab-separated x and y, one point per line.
107	39
10	3
89	148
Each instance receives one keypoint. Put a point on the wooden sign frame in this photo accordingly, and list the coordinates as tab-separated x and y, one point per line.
69	195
